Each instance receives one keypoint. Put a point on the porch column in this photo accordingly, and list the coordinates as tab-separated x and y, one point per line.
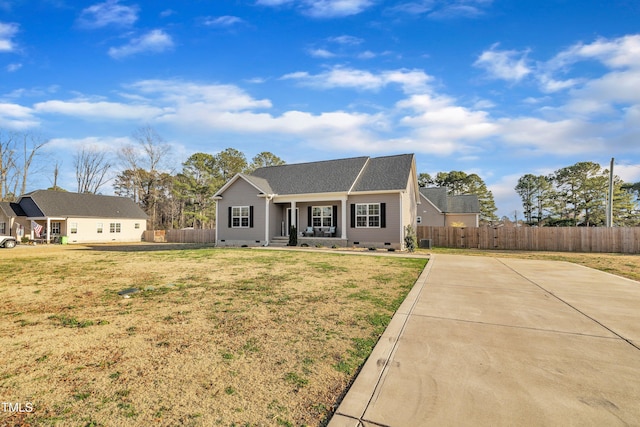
344	219
48	230
293	216
266	221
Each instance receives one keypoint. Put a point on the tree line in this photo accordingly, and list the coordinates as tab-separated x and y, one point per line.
577	196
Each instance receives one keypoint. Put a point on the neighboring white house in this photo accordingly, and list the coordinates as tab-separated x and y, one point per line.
73	217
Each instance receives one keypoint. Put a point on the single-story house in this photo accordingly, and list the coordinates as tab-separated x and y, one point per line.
440	209
362	201
74	217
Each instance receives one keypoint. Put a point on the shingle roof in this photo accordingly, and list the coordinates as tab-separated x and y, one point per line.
336	176
65	204
329	176
11	209
385	174
464	203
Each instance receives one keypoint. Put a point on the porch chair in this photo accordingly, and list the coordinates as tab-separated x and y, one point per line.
329	232
308	232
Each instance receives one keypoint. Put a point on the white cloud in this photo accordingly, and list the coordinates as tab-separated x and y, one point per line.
444	9
14	116
207	96
336	8
510	65
155	41
411	81
98	143
323	8
444	126
542	137
222	21
108	13
7	33
99	110
13	67
346	40
321	53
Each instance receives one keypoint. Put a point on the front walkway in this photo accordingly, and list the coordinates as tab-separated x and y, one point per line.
503	342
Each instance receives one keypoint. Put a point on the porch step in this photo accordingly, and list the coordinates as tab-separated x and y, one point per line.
279	241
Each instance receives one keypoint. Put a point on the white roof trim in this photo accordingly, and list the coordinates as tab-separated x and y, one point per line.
355	181
234	179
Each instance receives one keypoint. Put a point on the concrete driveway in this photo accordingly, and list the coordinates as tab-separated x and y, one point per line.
504	342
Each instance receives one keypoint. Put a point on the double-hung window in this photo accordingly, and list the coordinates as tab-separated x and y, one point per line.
322	216
115	227
368	215
240	216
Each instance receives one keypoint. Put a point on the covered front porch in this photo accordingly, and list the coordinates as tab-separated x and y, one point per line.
316	220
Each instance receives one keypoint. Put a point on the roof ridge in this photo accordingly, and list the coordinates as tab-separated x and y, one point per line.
315	162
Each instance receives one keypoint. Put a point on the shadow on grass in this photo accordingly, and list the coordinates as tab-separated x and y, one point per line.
146	247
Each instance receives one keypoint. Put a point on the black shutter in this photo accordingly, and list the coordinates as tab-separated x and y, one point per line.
309	217
250	216
353	215
230	210
383	215
334	218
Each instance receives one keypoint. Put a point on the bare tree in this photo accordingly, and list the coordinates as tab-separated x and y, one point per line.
17	154
143	164
92	166
31	145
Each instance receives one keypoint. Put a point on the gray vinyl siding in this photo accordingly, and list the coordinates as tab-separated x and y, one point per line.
241	193
377	236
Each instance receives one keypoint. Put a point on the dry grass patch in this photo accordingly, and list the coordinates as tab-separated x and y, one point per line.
214	337
619	264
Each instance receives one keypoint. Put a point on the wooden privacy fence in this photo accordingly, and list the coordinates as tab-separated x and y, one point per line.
180	236
561	239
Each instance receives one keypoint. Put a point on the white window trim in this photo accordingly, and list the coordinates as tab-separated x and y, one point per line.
237	213
369	215
321	216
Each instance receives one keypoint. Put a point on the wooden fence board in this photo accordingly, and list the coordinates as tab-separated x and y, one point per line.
559	239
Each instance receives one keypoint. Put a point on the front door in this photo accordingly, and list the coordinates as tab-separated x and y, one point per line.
288	225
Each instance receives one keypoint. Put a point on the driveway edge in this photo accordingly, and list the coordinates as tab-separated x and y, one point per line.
364	389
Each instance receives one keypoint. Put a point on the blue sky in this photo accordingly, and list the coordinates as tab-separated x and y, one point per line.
497	88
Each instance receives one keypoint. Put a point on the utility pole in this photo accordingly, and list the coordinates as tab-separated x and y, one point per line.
609	220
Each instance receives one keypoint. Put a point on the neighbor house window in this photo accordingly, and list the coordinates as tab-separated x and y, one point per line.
74	228
137	225
419	220
240	216
322	216
3	228
99	228
55	228
114	227
368	215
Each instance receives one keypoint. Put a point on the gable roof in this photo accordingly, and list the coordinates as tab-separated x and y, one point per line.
11	209
464	203
357	174
49	203
385	174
